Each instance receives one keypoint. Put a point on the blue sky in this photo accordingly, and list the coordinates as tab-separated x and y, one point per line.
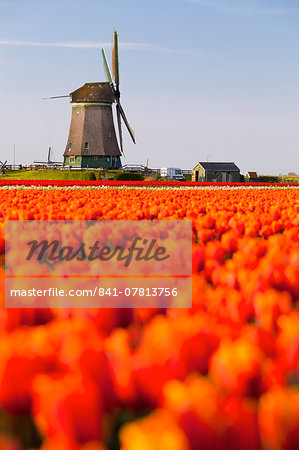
201	80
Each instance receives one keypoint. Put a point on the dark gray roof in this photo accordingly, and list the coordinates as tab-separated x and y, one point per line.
220	166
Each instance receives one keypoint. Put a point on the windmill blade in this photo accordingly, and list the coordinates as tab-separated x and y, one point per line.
107	68
115	59
57	96
119	128
126	122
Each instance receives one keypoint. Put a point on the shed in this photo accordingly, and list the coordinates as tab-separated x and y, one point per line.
253	177
216	171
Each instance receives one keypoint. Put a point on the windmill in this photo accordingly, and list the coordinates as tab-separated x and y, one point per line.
49	162
92	140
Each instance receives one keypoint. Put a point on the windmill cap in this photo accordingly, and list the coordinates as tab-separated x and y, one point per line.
93	93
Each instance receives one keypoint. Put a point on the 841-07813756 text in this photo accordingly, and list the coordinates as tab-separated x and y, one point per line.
142	292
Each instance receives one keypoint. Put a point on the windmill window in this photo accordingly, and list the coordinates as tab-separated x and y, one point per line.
109	133
72	159
86	146
70	146
95	157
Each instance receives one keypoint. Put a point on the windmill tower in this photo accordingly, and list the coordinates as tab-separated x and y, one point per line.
92	138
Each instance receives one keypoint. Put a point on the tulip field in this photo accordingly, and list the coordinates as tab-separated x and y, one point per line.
223	374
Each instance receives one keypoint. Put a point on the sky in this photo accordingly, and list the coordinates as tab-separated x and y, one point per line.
200	80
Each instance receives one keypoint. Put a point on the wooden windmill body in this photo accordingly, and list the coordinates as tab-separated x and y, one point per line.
92	140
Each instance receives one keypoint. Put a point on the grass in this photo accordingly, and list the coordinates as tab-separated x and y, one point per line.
49	175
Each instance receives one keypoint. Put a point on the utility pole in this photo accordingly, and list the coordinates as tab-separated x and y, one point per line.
14	155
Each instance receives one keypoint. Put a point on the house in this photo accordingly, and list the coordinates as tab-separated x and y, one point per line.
216	171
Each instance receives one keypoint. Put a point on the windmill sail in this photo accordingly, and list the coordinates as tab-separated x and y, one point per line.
57	96
107	68
119	128
115	59
113	79
130	130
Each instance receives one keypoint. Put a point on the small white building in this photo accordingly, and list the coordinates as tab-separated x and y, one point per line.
172	172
